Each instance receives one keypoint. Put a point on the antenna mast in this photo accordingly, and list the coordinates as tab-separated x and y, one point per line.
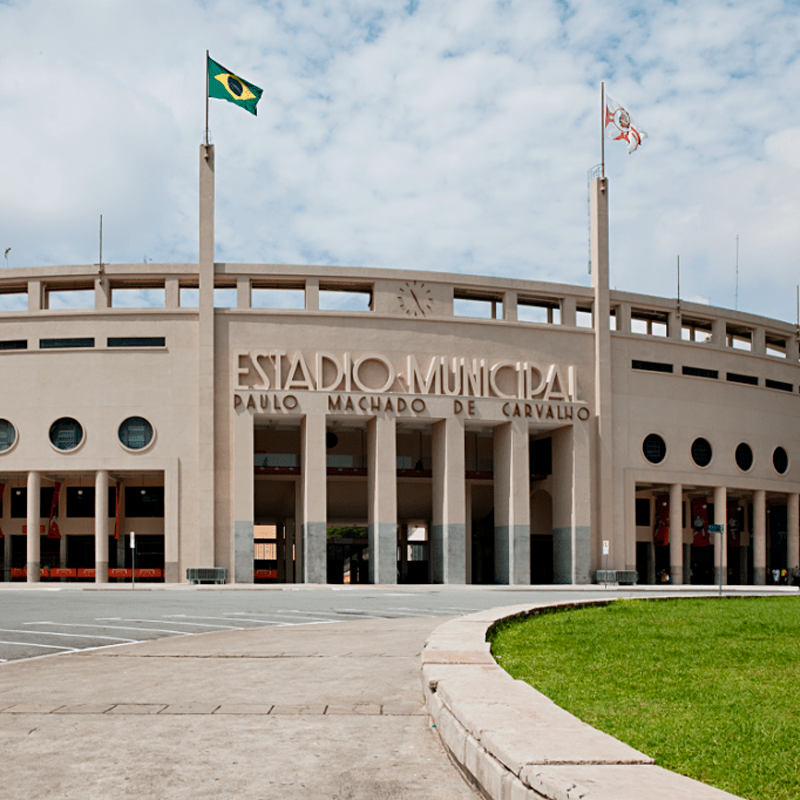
736	293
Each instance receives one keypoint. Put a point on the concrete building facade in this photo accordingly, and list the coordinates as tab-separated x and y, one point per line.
326	424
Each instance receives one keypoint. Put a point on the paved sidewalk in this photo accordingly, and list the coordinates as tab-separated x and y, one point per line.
329	711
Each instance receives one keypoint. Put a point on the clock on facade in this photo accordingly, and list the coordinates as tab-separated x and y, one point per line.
415	298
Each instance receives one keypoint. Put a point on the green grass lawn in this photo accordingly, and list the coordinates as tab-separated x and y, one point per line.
710	688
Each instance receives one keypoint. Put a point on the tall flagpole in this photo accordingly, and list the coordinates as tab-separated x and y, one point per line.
602	129
207	98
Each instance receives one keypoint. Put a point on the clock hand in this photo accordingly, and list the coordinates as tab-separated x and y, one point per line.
416	299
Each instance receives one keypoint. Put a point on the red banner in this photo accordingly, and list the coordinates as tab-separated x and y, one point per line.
661	528
52	525
733	523
700	523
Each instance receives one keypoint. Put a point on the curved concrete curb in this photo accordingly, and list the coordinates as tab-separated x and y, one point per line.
514	743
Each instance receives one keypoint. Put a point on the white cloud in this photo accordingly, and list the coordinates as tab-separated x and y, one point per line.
454	138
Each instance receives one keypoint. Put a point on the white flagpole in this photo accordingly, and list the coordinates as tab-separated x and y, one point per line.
206	98
602	129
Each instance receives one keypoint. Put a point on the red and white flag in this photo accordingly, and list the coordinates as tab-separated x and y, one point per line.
619	125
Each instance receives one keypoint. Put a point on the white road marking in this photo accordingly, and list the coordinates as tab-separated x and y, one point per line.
194	624
48	646
107	627
242	619
73	635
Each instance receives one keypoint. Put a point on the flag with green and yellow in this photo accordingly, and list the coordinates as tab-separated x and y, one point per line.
225	85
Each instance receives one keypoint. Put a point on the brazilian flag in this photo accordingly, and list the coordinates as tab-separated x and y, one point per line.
222	83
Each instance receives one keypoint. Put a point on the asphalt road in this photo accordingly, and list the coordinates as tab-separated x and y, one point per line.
36	622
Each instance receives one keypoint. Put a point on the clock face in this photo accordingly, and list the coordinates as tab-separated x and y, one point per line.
415	298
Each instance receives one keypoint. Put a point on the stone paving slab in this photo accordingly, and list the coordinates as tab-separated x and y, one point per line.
333	712
618	783
137	708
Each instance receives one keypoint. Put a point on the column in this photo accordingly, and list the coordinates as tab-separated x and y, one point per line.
33	560
744	551
468	541
759	341
719	333
674	324
624	318
172	523
35	296
569	312
602	419
243	293
676	533
512	529
102	292
101	526
206	472
289	575
510	305
314	499
382	499
793	537
760	537
721	539
172	292
449	530
312	294
243	500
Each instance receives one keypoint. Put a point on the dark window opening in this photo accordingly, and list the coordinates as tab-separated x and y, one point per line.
651	366
47	344
701	452
541	458
780	460
751	380
136	341
642	512
654	448
144	501
698	372
14	344
80	501
784	387
744	457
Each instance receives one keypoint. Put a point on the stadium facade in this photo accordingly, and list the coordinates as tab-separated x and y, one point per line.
316	424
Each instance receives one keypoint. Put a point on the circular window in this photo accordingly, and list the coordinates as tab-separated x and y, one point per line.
66	433
8	435
331	440
135	433
701	452
780	460
744	457
654	448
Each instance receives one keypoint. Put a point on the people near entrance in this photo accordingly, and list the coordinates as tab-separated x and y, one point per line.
700	523
661	529
663	576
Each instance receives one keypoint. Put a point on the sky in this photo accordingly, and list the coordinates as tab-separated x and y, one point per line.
444	135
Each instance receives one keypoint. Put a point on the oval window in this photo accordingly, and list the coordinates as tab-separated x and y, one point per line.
8	435
66	433
701	452
780	460
135	433
744	457
654	448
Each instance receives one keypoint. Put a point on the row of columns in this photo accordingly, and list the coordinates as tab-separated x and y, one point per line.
759	533
33	556
448	535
